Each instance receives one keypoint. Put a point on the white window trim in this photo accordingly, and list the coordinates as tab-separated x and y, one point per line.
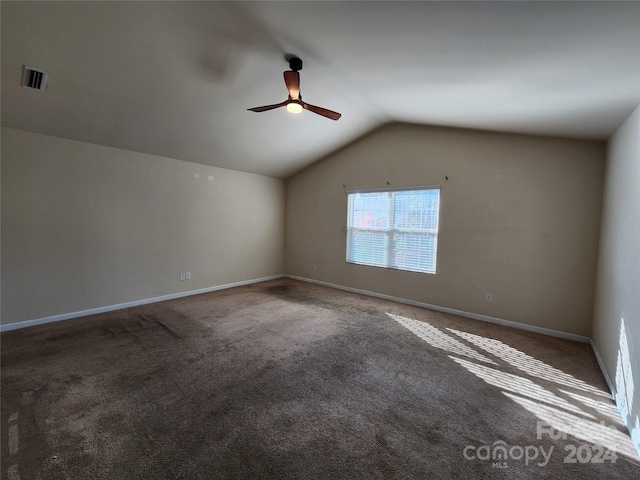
390	230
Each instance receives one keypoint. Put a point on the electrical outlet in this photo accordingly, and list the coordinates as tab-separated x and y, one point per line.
188	275
314	267
181	276
488	297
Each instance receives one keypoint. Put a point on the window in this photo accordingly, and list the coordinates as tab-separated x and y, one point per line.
394	228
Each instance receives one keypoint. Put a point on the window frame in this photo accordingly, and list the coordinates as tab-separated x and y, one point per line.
391	230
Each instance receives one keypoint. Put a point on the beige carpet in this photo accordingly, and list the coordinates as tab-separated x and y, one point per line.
288	380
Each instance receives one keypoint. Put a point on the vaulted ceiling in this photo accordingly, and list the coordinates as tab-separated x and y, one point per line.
176	78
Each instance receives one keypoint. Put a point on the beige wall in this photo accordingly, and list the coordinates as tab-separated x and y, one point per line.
616	326
86	226
519	219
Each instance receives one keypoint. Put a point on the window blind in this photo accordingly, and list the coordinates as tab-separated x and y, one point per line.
394	228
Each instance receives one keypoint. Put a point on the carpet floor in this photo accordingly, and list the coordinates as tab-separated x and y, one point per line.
289	380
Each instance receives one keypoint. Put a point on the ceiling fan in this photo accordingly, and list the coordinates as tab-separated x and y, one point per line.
294	103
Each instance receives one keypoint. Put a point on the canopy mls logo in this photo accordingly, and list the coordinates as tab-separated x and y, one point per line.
500	453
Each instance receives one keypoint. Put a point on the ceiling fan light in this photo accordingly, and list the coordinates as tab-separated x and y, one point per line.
294	107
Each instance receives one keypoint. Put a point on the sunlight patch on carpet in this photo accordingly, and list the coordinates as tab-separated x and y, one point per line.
606	409
552	410
526	363
519	385
438	339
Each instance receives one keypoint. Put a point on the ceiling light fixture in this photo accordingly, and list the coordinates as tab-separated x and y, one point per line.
294	107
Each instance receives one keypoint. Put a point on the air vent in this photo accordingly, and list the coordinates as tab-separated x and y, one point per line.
34	78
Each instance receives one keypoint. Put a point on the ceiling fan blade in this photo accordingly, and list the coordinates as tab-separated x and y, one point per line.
292	81
268	107
322	111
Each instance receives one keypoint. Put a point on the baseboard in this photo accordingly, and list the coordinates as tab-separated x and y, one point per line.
605	374
634	432
475	316
135	303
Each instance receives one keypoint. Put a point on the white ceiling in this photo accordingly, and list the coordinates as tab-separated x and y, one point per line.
175	78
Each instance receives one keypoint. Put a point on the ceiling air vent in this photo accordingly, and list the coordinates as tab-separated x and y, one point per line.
34	78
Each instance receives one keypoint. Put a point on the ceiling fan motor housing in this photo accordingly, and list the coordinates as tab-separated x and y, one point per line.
295	64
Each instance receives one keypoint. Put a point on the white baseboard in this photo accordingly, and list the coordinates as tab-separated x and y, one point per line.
605	374
110	308
475	316
634	433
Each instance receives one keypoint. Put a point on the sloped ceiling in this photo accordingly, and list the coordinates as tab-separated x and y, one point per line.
176	78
